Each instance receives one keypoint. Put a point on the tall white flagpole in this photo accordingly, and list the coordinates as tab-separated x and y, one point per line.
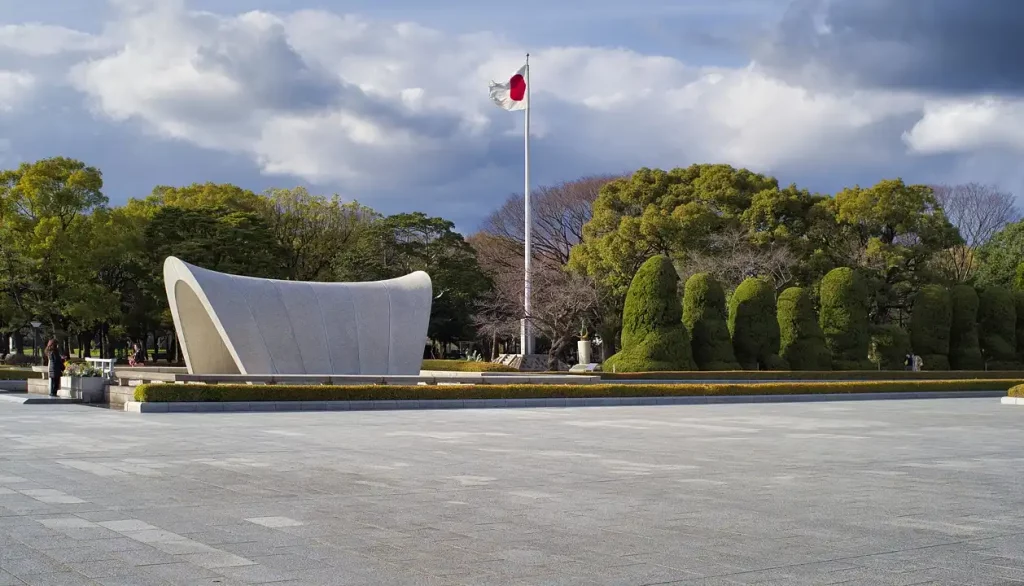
526	343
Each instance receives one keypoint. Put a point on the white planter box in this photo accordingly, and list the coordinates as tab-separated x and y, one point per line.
87	388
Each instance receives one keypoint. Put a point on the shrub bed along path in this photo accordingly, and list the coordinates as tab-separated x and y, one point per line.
172	393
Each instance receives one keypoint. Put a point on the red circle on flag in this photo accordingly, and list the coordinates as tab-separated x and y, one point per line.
517	88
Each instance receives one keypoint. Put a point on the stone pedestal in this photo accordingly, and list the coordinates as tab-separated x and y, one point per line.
584	349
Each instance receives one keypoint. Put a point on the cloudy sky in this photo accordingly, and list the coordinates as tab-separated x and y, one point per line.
385	101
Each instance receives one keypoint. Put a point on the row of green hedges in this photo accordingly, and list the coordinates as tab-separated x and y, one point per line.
1016	391
813	375
465	366
959	328
965	328
172	393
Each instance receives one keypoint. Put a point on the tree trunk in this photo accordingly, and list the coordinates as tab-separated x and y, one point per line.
557	348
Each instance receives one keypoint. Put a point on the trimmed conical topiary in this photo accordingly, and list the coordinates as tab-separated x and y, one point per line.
653	335
754	326
889	347
964	348
844	318
997	324
706	319
801	343
930	325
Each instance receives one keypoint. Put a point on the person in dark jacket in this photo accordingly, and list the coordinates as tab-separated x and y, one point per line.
56	363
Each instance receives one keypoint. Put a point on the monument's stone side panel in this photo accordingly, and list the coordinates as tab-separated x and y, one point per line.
233	324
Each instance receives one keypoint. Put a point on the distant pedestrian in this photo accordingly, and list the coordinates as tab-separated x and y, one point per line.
138	357
908	362
55	362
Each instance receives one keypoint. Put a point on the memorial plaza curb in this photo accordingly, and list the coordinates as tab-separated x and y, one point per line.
1012	401
265	406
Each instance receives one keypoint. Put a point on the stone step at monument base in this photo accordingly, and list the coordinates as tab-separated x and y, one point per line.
529	362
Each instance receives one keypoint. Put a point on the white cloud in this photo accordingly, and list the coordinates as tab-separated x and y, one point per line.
15	88
381	108
968	125
42	40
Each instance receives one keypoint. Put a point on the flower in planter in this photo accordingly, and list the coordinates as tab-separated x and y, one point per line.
82	370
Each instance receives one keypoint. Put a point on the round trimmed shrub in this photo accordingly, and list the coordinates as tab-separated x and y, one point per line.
930	324
997	322
705	317
844	318
653	335
889	346
754	326
964	349
801	342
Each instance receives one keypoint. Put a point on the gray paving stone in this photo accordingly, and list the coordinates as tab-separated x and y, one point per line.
713	493
57	579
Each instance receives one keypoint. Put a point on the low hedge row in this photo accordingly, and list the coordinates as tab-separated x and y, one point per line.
465	366
813	375
174	393
1016	391
18	374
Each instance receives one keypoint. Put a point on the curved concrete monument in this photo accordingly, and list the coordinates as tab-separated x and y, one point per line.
229	324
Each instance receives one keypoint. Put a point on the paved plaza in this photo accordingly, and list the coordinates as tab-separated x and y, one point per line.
861	492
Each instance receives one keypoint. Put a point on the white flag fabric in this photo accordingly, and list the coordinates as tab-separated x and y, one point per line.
511	95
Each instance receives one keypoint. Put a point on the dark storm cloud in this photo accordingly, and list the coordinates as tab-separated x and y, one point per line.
946	46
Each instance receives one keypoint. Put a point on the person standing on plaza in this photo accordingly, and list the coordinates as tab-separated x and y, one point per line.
56	365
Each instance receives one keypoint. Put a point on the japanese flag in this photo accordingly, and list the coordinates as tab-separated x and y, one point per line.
511	95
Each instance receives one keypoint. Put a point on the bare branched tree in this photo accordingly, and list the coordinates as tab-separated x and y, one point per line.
561	302
978	211
559	213
731	257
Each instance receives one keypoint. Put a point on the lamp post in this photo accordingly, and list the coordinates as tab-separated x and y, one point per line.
35	338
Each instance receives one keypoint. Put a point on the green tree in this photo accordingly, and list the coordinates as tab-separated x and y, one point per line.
675	212
312	230
896	229
754	326
964	347
705	316
997	322
400	244
930	325
207	196
844	318
214	238
48	251
999	258
653	335
802	341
